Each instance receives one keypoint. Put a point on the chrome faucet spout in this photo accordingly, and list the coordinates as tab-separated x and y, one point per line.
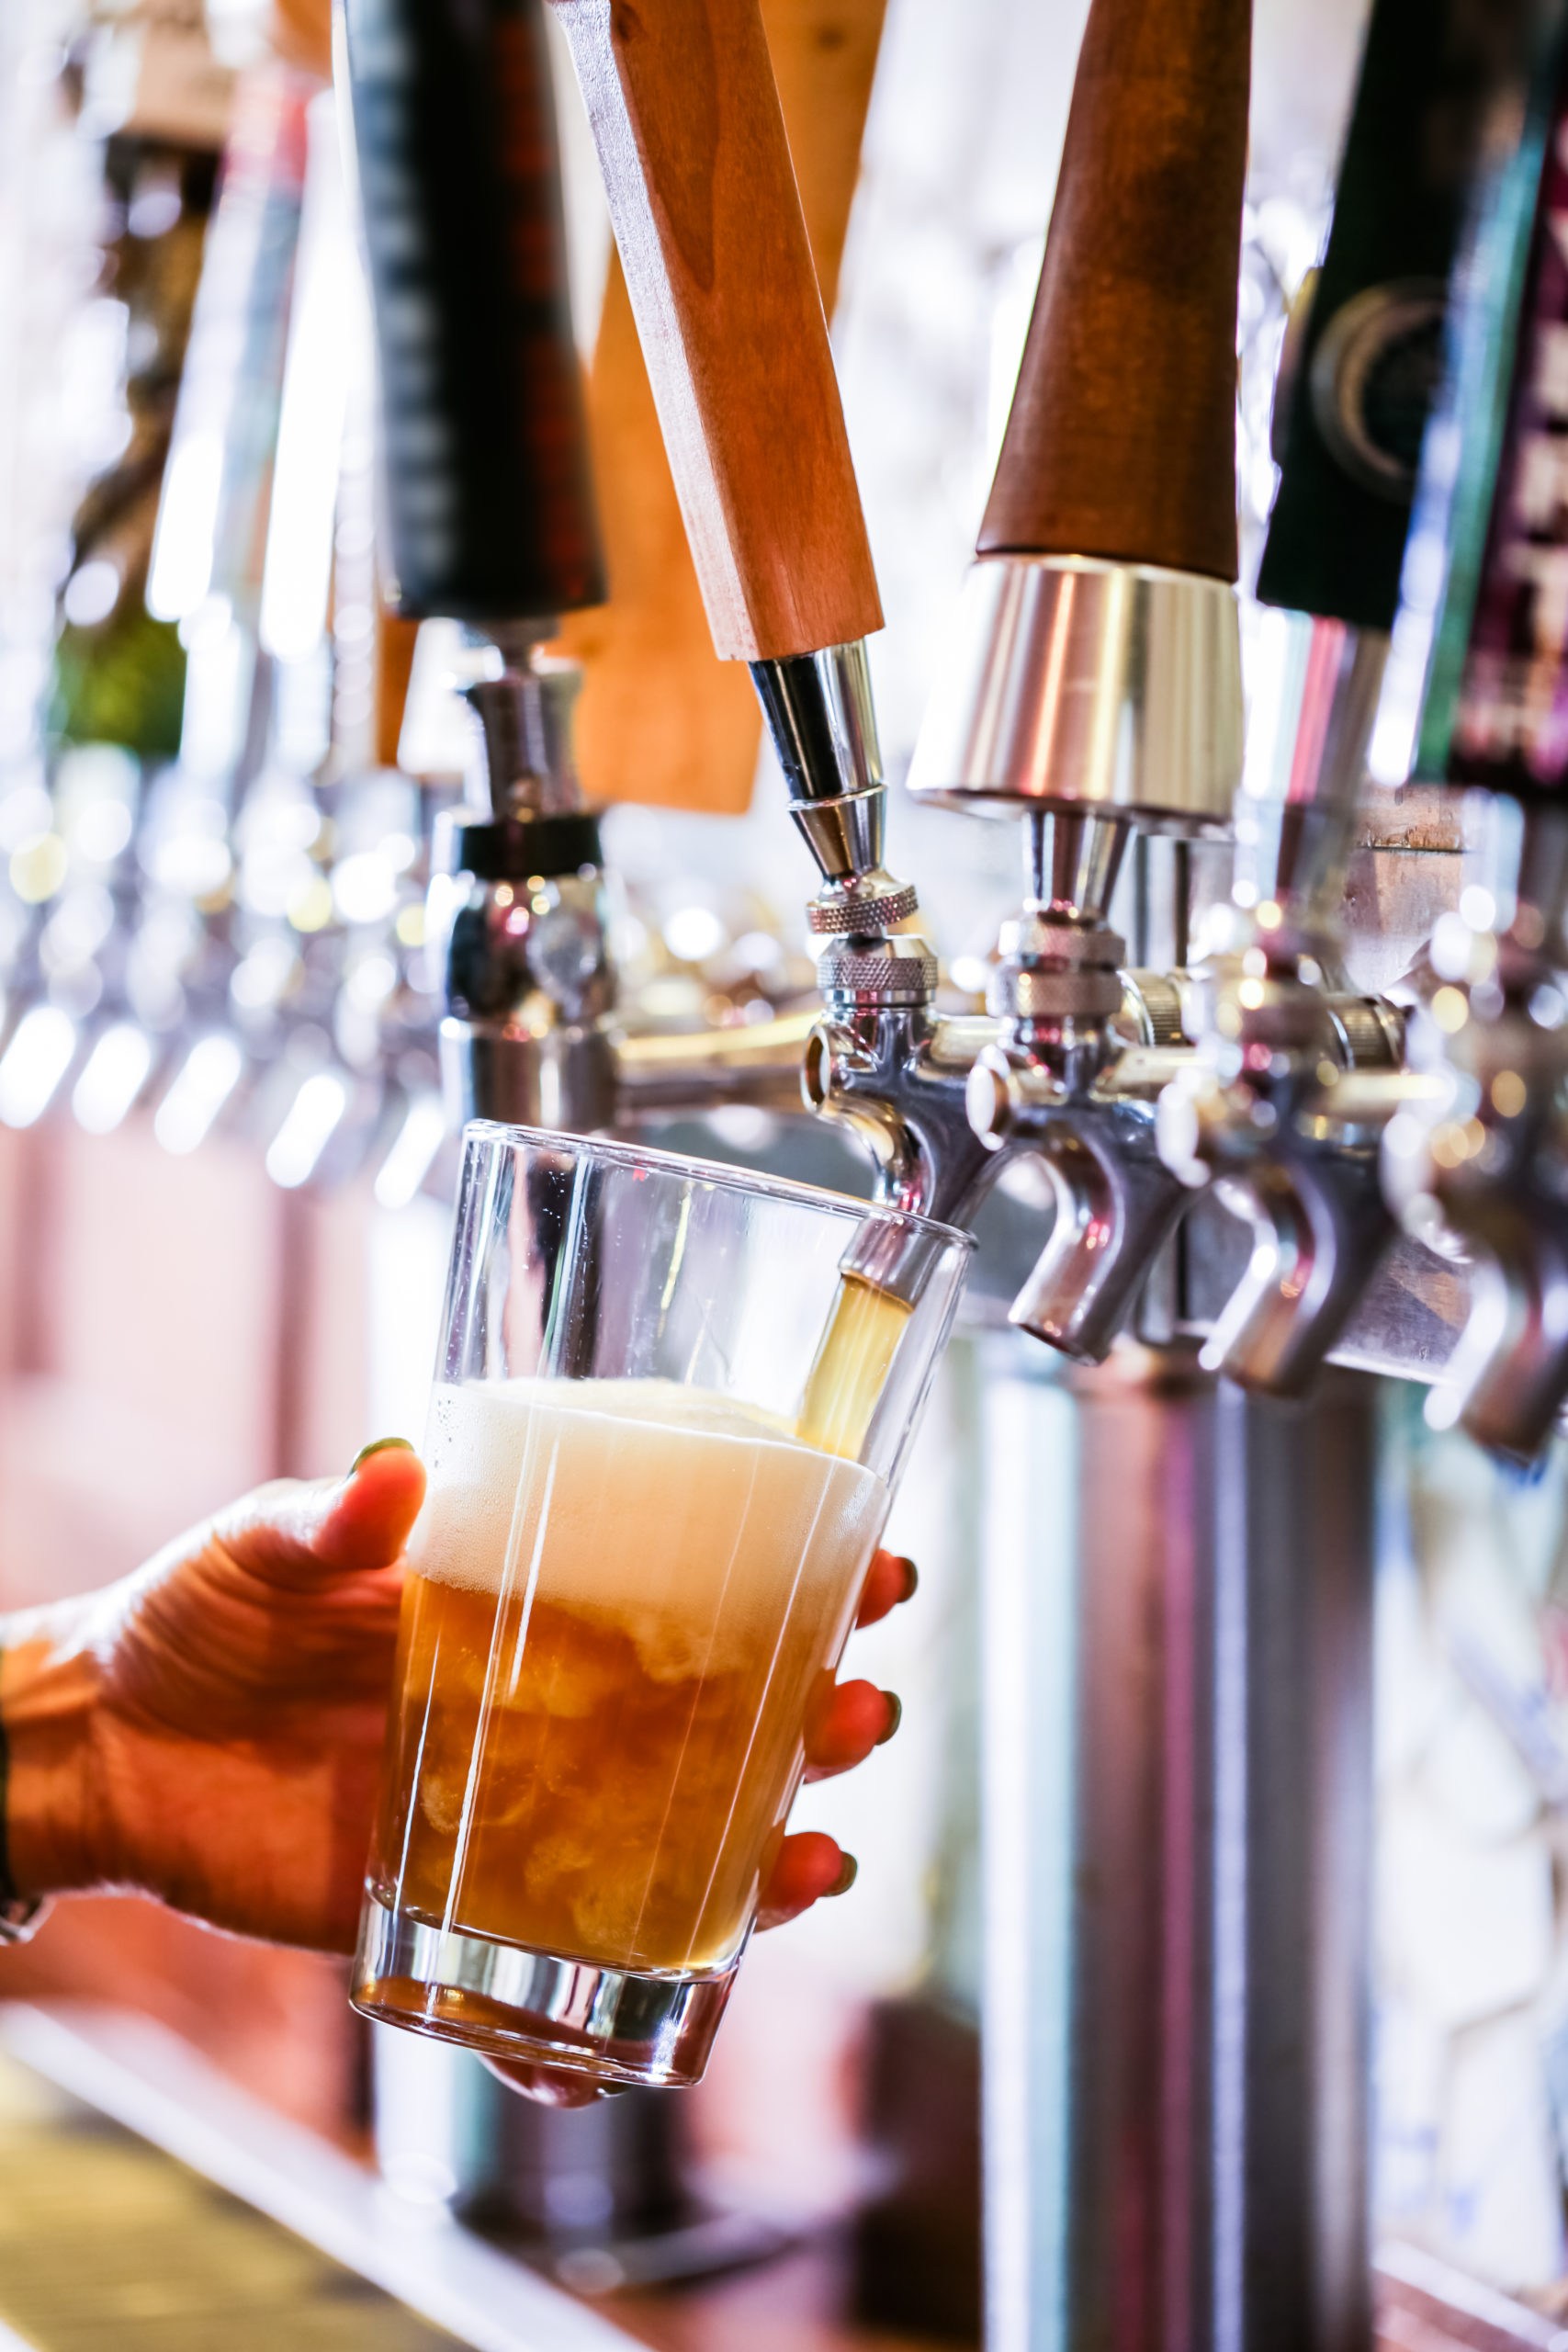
1483	1159
1117	1205
1276	1031
895	1076
1319	1226
1508	1377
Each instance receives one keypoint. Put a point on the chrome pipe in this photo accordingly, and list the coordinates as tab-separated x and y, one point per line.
1177	1801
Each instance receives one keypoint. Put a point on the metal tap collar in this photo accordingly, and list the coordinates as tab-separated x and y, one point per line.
512	849
820	716
1055	970
867	903
823	725
1076	682
523	764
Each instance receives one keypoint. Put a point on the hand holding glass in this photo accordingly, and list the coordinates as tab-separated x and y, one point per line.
670	1415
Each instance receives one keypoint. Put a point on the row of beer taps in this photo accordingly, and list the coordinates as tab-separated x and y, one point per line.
1092	691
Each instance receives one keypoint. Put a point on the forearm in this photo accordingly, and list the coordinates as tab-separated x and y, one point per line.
51	1683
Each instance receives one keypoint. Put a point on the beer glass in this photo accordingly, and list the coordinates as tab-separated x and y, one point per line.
671	1403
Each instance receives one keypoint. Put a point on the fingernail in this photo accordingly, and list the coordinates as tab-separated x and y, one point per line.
911	1579
894	1717
848	1870
377	1445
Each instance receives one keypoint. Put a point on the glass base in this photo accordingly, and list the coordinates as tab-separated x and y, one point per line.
505	2002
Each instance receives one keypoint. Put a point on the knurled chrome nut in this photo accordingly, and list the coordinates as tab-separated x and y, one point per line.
898	968
1089	993
873	912
1157	1000
1370	1031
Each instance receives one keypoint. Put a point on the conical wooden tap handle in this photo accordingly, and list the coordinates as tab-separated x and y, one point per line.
691	140
1121	440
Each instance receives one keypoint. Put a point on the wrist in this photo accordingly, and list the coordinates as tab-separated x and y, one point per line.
50	1688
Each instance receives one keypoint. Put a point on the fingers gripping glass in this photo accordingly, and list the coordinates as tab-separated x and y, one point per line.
672	1407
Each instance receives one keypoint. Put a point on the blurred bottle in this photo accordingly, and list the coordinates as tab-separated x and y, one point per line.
150	88
119	673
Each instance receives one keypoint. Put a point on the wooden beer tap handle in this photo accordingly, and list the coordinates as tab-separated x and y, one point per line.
1121	440
696	165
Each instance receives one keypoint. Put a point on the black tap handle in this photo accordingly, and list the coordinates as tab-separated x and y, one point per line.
487	497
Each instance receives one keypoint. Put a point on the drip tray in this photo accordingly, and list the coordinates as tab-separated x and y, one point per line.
148	2204
106	2241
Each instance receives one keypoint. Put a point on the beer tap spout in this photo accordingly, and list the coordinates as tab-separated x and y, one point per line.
1481	1164
1117	1205
1315	1206
1509	1376
1258	1111
1062	1081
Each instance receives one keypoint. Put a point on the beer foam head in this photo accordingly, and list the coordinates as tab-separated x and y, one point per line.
687	1516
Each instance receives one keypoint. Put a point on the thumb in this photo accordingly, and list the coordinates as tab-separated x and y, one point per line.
335	1526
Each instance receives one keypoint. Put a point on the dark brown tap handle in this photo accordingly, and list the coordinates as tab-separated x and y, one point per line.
1121	440
696	166
490	516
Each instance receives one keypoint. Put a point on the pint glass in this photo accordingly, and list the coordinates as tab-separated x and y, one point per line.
671	1407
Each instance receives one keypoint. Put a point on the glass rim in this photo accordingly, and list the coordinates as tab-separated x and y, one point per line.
721	1173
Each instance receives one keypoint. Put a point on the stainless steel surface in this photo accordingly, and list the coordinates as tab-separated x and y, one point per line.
868	902
1177	1786
157	2085
531	1035
1072	683
895	1076
1116	1203
864	971
560	1078
823	724
1258	1111
1074	856
1298	808
524	762
1478	1164
819	710
757	1063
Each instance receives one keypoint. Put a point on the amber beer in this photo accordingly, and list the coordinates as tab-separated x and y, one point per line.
622	1595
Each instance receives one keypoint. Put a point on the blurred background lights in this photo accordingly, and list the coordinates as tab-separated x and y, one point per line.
210	1075
307	1129
34	1063
412	1156
112	1077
